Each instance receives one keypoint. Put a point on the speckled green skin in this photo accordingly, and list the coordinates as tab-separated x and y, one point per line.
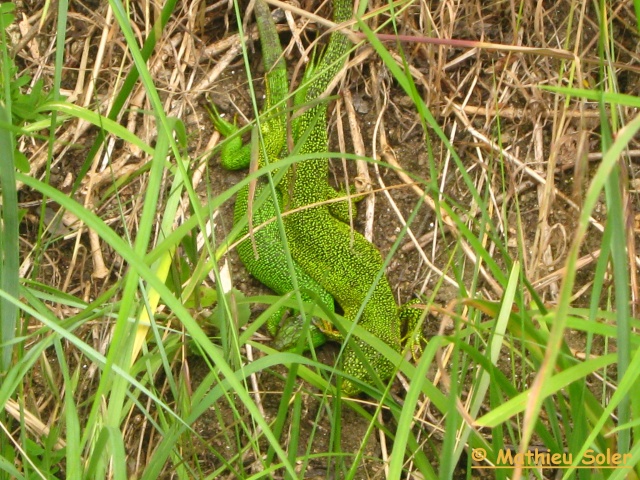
322	244
270	267
341	260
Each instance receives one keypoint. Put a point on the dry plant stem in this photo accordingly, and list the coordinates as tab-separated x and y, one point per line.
363	180
342	147
546	197
205	84
560	273
34	28
488	46
344	28
295	33
142	426
451	42
631	238
443	174
230	41
536	178
178	82
108	31
382	438
33	423
527	184
82	72
543	232
136	104
27	262
442	359
99	268
541	252
40	63
66	139
514	113
254	382
198	174
530	172
28	32
443	356
388	155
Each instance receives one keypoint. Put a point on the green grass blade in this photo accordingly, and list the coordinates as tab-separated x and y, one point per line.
9	255
98	120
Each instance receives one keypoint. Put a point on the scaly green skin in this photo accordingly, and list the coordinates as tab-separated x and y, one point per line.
324	246
270	267
341	260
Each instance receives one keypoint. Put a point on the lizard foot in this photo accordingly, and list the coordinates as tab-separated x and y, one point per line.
288	330
328	330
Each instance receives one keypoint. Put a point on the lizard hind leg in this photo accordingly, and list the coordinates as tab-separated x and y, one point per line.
233	155
346	209
290	328
411	315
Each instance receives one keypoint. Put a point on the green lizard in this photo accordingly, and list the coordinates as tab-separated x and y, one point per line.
363	261
340	260
269	266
